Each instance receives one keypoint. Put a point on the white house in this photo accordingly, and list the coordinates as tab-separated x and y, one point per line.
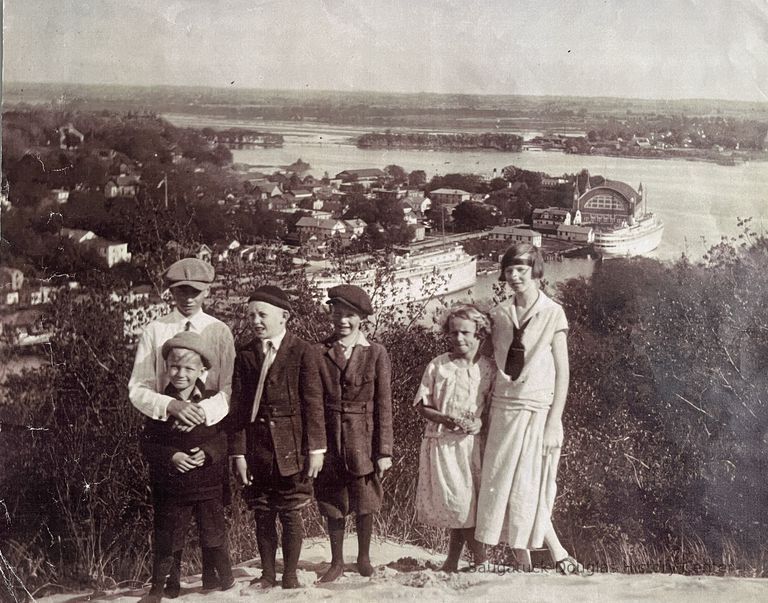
113	252
579	234
449	195
515	234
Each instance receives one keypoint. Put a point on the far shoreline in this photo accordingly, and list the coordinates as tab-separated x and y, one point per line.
348	135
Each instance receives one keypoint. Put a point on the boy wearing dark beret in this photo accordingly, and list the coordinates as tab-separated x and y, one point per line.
356	376
187	470
278	431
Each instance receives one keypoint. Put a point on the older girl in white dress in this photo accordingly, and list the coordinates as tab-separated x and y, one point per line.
525	434
452	397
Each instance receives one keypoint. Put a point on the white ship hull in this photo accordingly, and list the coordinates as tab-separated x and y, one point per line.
637	239
414	278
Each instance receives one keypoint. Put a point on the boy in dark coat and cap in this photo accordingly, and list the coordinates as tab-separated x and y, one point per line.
356	377
187	470
278	431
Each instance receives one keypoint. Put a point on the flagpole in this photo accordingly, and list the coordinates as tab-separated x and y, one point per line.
165	179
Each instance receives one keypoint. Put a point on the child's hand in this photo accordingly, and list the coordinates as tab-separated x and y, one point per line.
383	464
197	456
187	413
474	426
553	437
449	423
183	462
241	470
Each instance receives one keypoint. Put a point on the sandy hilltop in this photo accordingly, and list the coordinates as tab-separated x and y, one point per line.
405	572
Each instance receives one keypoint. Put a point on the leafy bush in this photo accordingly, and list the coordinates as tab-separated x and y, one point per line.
666	423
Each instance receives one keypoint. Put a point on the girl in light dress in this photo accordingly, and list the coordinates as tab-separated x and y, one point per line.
452	398
525	430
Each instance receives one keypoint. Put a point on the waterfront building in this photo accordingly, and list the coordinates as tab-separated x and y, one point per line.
549	219
618	213
609	202
515	234
576	233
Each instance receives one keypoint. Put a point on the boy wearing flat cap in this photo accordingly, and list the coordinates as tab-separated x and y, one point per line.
278	435
187	470
356	376
189	280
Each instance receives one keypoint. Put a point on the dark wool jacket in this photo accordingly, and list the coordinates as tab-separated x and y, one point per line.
159	442
291	407
358	406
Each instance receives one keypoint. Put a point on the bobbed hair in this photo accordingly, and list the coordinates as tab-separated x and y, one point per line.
523	253
467	312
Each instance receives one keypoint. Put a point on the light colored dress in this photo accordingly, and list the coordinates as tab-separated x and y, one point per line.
449	462
518	486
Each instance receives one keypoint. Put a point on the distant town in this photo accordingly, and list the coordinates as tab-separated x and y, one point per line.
118	194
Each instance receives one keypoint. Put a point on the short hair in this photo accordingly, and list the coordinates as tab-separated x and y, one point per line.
530	254
467	312
181	353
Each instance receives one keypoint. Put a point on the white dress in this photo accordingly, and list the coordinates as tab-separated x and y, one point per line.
518	484
449	462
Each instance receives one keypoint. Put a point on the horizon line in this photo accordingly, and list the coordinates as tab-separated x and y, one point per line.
20	83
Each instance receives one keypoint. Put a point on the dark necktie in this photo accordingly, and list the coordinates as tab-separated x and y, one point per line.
269	358
516	353
337	353
188	326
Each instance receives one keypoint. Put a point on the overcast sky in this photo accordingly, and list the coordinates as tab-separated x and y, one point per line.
630	48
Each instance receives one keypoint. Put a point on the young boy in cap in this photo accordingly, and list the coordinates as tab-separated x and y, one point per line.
356	378
189	281
278	430
187	470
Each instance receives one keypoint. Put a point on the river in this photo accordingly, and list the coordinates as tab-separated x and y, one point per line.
698	202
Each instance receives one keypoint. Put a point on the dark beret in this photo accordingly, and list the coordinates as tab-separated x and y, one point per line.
272	295
352	296
188	340
190	271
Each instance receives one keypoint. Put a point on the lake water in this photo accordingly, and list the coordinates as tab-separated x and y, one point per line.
698	202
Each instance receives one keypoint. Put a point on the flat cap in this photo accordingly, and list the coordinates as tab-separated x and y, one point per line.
190	271
188	340
271	295
351	296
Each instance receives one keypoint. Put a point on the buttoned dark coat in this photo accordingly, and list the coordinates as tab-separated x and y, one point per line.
290	418
358	406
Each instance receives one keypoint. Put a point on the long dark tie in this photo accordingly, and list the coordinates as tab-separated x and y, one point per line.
337	353
516	353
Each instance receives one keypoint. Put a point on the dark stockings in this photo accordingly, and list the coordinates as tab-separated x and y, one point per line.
364	525
336	535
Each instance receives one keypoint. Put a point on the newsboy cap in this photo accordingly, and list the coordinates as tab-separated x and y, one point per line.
272	295
352	296
190	271
188	340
